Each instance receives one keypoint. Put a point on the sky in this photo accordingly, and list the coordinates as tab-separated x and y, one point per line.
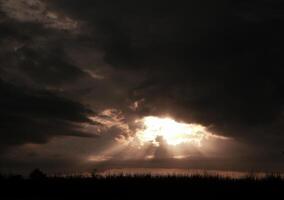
104	83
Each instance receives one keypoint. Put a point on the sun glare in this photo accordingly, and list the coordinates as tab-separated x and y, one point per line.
171	131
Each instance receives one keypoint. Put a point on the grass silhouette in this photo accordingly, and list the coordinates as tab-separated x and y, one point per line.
140	187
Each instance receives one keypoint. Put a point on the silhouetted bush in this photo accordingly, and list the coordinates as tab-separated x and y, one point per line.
37	174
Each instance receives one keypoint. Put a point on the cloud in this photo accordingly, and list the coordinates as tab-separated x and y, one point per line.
161	152
45	89
35	74
29	116
218	64
37	11
35	56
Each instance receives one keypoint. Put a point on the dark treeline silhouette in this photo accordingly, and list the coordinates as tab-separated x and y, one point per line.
37	174
40	186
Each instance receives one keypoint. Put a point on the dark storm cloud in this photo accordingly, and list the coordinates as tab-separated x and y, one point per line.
34	72
29	116
216	63
32	54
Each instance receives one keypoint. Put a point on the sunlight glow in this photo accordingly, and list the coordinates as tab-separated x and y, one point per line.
171	131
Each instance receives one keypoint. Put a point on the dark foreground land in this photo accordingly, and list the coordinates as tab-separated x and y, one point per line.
141	187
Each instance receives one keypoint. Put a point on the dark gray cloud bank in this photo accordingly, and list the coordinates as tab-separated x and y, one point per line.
215	63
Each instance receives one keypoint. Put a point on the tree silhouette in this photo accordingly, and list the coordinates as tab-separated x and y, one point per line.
37	174
94	173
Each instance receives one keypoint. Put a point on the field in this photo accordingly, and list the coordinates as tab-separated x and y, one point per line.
146	186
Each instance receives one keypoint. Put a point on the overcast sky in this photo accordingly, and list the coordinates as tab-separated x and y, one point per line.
76	75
